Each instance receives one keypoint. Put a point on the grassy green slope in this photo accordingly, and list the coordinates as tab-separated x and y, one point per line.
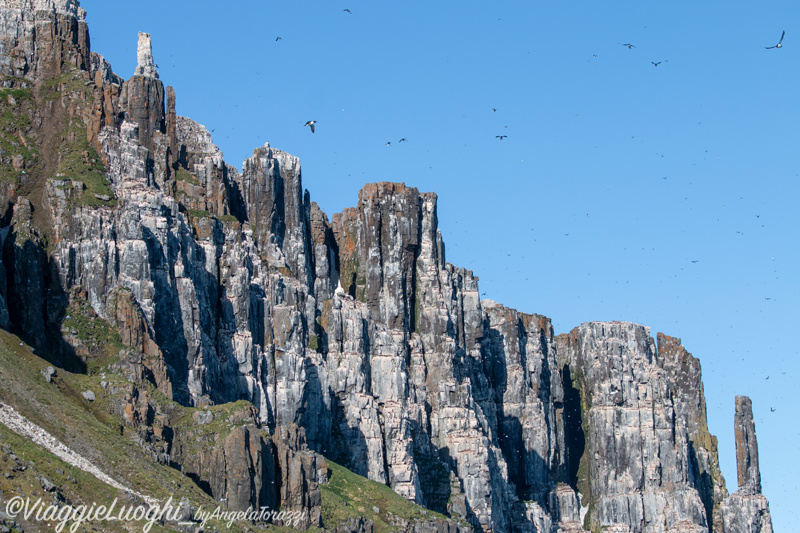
87	428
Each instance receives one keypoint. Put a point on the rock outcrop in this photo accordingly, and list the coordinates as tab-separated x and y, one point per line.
144	57
352	338
746	510
749	475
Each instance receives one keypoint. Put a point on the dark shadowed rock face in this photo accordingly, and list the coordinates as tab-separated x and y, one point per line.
350	337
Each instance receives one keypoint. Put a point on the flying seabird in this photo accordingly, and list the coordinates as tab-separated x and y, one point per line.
629	45
348	11
403	140
310	123
389	143
779	45
501	137
278	38
656	64
772	409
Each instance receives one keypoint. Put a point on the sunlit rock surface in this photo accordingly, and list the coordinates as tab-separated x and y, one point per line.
351	335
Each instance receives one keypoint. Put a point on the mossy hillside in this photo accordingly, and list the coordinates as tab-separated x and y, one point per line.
80	162
75	487
353	280
87	428
196	437
313	342
18	153
181	174
198	213
27	464
74	82
97	337
347	495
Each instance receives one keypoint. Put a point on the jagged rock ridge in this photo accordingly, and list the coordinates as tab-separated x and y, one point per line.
221	286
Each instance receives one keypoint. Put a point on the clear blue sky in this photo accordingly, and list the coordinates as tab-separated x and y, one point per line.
615	177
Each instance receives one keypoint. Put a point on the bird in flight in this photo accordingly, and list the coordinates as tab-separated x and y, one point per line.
311	124
278	39
501	137
403	140
779	45
389	143
656	64
348	11
629	45
772	409
494	109
695	261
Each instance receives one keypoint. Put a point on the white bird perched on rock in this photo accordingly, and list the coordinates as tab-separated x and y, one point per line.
339	292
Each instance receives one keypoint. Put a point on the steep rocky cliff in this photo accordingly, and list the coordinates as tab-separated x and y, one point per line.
130	244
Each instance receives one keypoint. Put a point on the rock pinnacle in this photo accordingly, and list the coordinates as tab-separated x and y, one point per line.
144	57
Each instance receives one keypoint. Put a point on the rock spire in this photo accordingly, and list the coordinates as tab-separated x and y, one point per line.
746	447
144	57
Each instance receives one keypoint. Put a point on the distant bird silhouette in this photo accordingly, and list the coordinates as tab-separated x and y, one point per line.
494	109
772	409
348	11
629	45
278	38
501	137
767	377
389	143
311	124
403	140
695	261
656	64
779	45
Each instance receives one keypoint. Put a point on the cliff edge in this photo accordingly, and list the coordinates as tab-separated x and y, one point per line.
131	248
